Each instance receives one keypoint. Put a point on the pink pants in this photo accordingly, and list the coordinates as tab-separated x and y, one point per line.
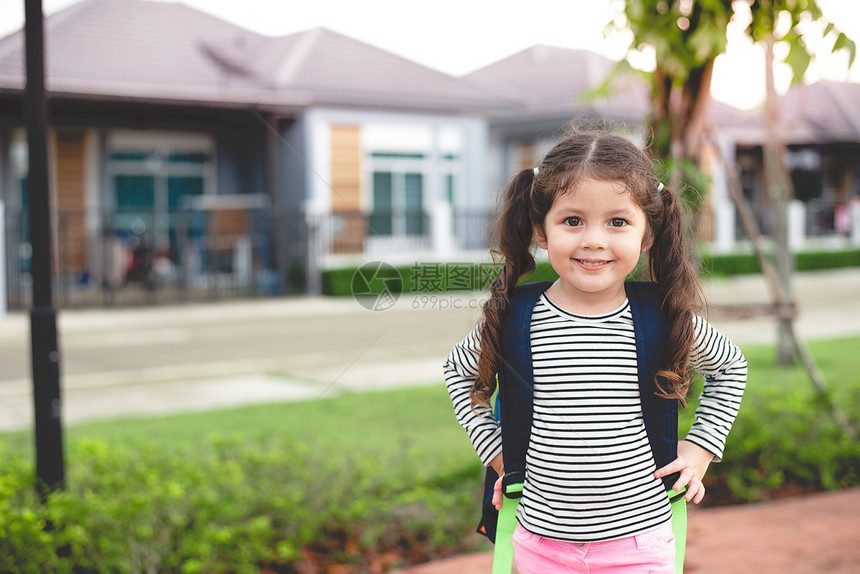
651	552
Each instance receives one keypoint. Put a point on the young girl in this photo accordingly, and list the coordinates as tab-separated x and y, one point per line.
593	500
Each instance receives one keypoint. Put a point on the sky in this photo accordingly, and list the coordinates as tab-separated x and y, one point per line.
459	36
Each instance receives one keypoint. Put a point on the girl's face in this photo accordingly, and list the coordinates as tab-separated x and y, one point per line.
594	235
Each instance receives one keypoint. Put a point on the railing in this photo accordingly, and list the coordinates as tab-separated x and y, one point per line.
136	258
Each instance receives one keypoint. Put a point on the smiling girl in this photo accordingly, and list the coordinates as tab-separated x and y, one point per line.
593	499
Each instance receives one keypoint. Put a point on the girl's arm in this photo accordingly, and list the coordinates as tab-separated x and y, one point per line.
461	372
724	368
725	372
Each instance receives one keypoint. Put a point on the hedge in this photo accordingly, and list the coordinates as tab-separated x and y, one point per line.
422	277
240	507
736	264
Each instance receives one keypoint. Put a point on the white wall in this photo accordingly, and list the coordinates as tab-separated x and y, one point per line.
431	134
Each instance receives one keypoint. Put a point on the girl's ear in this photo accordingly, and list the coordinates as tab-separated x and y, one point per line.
647	241
540	237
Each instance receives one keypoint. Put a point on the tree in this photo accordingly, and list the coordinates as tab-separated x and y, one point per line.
775	21
687	36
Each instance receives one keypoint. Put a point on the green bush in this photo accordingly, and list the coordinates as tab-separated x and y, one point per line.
814	260
784	440
419	277
239	506
729	264
741	263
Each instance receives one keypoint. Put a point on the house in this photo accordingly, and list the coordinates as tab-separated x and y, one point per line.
193	152
821	130
193	158
820	121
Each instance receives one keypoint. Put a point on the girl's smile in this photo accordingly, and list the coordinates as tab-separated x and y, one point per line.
589	264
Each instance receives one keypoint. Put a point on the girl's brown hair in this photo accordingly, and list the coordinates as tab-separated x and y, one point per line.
530	195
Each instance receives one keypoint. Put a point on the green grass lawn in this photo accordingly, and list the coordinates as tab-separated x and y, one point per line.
381	424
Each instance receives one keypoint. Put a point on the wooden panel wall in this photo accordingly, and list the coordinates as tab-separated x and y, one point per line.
71	238
526	155
346	187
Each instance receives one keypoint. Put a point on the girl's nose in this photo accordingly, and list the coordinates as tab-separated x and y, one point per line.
593	238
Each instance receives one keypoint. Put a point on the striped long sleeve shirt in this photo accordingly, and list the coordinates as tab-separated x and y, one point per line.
589	467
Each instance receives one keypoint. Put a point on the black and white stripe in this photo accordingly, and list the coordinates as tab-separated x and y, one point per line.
589	465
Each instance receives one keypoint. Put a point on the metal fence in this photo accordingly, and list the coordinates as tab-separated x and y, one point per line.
139	258
136	258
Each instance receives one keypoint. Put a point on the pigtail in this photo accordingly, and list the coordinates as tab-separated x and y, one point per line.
678	285
513	237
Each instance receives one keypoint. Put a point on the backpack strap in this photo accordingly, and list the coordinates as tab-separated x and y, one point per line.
516	384
650	331
660	414
513	399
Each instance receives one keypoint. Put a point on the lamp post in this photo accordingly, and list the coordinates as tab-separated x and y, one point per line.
50	471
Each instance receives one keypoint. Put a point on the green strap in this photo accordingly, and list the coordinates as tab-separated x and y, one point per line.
503	554
679	527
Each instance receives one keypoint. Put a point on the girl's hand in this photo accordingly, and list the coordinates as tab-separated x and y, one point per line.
497	463
692	463
497	494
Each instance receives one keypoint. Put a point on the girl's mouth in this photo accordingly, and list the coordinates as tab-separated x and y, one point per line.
592	263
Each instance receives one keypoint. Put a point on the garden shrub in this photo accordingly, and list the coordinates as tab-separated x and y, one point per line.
784	441
239	507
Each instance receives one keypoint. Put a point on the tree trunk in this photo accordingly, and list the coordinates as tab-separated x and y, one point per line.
779	192
696	105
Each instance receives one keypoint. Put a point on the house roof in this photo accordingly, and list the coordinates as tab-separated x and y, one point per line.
136	49
554	81
339	69
554	84
824	112
820	113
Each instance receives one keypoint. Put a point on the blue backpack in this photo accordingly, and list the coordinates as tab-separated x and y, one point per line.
514	409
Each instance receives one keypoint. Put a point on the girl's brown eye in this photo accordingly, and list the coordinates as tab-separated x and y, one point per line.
572	221
618	222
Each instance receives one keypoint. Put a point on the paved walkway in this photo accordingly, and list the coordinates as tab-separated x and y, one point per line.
157	360
804	535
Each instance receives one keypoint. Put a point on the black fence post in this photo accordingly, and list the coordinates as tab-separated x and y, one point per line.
50	468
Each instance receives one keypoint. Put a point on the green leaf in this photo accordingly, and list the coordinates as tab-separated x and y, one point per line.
798	58
843	42
708	41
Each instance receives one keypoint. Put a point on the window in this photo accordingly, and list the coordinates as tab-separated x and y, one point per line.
149	188
398	195
451	169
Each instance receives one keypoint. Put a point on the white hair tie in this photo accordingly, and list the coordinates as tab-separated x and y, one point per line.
536	170
659	187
